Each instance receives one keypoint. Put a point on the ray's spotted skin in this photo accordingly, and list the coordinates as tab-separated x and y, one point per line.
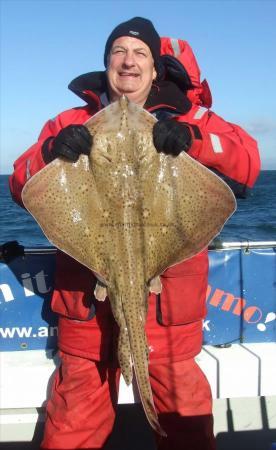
128	213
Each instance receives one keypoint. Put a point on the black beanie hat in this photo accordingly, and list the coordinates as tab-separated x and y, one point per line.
139	28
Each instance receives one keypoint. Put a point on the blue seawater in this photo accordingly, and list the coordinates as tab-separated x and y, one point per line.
254	220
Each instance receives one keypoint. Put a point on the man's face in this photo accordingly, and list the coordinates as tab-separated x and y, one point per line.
130	70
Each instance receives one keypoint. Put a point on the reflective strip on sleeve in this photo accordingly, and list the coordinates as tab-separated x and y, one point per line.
200	112
216	143
175	47
28	164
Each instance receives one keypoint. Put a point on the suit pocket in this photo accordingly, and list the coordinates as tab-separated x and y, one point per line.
73	295
183	296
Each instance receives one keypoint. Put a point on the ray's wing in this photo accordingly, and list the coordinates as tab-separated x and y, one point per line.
64	200
184	206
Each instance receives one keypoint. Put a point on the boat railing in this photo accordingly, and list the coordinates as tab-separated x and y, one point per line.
218	244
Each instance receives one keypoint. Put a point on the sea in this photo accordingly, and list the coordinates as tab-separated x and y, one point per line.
254	220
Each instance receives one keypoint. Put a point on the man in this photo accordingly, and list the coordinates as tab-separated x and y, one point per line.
81	410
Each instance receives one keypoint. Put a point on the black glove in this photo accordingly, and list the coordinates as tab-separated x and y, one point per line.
171	137
11	250
70	142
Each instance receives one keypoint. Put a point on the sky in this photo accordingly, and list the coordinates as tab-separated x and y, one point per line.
47	43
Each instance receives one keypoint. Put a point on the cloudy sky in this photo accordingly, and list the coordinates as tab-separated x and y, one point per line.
47	43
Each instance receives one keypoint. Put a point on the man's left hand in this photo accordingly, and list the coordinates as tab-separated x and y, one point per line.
171	137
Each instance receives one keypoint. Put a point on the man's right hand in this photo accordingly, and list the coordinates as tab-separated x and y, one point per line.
70	143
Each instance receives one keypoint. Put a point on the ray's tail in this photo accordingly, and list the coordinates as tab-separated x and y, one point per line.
124	356
139	358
